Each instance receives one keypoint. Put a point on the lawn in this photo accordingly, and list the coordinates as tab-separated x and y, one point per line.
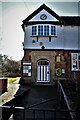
11	80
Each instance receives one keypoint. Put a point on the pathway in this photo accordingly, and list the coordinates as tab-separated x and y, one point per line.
11	91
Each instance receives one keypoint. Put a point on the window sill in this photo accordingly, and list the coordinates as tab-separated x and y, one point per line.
24	75
76	70
44	36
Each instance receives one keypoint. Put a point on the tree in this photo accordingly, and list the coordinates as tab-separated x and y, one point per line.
12	68
3	59
9	67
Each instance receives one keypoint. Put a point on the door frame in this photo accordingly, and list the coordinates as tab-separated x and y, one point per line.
46	71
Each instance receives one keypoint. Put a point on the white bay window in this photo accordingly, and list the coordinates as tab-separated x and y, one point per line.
44	30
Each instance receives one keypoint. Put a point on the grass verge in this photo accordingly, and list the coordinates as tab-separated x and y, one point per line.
11	80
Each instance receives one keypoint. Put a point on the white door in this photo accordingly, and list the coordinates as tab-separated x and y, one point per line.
43	71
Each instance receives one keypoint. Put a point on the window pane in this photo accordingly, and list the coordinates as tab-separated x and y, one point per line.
46	30
79	56
43	63
29	74
53	30
40	30
34	30
27	69
79	60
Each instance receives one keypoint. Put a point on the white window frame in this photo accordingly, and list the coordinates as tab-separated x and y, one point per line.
54	30
75	61
46	30
37	27
35	30
41	30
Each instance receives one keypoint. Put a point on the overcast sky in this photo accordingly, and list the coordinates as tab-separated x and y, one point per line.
13	13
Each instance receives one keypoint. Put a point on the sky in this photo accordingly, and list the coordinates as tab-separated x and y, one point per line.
13	13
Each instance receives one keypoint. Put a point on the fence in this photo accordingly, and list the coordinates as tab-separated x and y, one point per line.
31	113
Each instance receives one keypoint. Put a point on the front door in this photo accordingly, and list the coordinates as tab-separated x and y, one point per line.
43	71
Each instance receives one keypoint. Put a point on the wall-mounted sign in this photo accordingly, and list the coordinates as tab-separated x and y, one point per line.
63	71
58	71
58	58
43	17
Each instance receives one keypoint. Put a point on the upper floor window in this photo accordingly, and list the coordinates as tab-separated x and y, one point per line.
75	59
40	30
53	30
44	30
34	30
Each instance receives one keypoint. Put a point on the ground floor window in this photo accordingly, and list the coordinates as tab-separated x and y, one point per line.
27	69
75	60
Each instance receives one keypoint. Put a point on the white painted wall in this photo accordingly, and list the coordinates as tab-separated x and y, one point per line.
67	38
79	37
71	37
49	16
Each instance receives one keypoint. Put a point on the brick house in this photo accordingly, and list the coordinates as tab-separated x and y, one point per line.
51	46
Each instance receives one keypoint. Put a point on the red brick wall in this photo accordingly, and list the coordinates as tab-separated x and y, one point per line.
65	63
27	56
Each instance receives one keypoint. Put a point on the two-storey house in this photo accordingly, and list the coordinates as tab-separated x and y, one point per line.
51	46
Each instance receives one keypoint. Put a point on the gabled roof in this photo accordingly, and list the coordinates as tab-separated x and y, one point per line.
71	20
63	20
40	9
